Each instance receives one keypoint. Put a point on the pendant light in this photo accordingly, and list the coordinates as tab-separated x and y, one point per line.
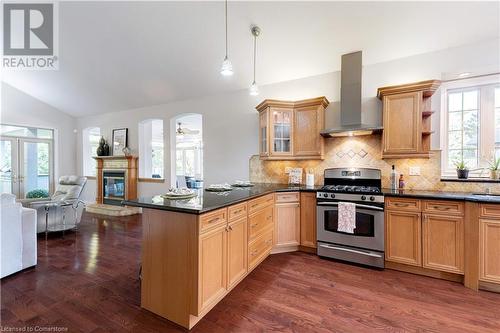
227	67
254	89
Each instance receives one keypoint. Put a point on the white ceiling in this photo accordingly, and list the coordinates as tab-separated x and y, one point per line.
122	55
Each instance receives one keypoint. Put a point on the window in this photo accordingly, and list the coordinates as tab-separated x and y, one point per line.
91	137
471	120
151	152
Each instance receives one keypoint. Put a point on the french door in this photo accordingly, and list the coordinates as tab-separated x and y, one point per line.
26	165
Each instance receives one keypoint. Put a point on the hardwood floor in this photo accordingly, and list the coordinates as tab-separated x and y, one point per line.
88	282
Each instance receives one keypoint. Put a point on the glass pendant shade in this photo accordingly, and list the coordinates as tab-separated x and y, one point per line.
226	68
254	89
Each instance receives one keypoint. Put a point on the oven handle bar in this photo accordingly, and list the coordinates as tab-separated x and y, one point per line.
350	250
357	205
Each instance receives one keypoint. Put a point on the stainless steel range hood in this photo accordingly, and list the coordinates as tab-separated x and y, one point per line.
350	100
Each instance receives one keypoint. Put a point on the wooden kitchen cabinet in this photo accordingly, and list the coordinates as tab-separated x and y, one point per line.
308	219
290	130
443	242
489	249
403	240
237	251
287	226
212	267
407	119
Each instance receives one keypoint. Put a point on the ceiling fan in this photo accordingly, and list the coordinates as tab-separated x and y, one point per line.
185	130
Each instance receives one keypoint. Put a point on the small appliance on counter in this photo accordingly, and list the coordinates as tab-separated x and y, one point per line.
350	216
295	176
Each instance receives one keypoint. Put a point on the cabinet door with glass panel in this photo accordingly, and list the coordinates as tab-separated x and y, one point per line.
264	133
281	120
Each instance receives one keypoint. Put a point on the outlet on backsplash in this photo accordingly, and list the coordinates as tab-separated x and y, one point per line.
414	171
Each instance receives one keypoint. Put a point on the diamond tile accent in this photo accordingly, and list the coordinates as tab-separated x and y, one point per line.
351	153
340	154
362	153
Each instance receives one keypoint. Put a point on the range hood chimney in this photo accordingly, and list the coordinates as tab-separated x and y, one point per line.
350	100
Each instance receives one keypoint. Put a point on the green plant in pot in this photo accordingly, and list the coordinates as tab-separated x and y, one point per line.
462	169
494	168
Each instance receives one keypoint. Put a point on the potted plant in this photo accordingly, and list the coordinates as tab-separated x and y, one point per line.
462	169
494	168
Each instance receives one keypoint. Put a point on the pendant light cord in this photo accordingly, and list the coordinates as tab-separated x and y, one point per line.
225	15
254	55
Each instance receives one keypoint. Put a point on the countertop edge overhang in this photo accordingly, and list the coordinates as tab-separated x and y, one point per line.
146	202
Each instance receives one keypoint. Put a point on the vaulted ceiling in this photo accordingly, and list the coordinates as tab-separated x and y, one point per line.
122	55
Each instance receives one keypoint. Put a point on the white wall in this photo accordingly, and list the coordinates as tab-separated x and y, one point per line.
18	108
230	122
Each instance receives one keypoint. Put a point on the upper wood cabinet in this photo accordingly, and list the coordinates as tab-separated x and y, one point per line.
407	119
291	130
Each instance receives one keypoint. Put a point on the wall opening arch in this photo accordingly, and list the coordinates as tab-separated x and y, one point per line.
151	149
186	147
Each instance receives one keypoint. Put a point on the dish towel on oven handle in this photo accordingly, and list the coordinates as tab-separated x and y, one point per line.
347	217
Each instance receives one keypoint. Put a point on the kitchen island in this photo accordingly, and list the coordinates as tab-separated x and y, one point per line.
195	251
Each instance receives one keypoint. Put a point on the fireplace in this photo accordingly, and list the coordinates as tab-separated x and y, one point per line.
113	186
116	179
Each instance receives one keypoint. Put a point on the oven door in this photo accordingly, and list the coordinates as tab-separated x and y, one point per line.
369	231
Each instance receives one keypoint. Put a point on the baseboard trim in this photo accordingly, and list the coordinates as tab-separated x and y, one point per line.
489	286
425	271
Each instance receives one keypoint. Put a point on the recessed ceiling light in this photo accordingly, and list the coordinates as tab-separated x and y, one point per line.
464	74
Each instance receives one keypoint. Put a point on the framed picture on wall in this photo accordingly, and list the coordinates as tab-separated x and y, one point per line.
120	141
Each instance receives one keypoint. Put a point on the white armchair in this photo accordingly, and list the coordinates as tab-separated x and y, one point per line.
62	211
18	236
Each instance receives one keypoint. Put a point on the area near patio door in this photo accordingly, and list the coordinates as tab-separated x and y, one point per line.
26	165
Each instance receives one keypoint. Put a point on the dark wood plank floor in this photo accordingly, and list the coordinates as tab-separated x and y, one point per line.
88	282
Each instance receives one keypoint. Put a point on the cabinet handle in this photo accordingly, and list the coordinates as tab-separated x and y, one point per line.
230	228
269	241
238	211
401	204
269	217
254	205
254	225
213	220
441	208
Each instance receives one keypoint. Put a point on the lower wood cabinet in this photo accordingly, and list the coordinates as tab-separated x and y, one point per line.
489	248
287	225
443	242
308	219
237	249
212	267
403	240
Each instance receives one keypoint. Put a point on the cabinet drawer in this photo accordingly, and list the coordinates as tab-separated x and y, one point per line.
443	207
260	221
407	204
259	248
261	202
213	219
490	210
287	197
237	211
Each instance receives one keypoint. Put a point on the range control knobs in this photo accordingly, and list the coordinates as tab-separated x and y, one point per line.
332	195
372	198
325	195
363	197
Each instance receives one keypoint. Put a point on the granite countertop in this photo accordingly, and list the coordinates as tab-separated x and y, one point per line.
444	195
208	201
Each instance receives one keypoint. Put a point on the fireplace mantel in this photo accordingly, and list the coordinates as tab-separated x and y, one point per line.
125	163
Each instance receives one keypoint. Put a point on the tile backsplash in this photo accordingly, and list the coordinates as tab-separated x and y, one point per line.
366	151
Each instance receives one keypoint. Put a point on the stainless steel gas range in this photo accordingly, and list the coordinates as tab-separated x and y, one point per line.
361	186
